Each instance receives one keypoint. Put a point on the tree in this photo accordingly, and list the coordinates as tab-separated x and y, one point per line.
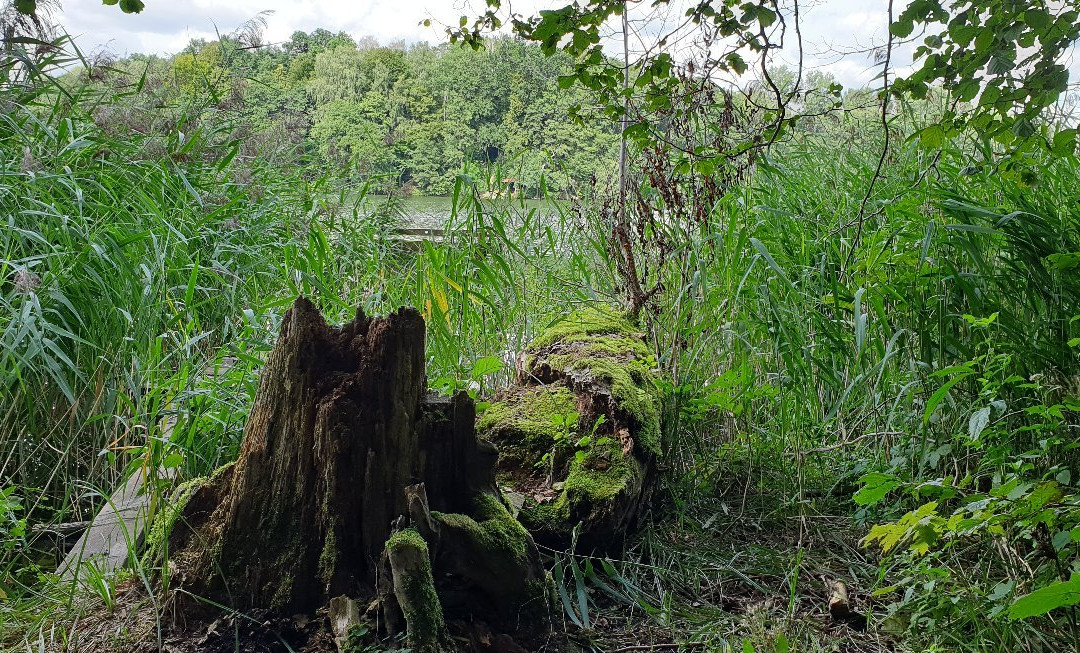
693	121
201	69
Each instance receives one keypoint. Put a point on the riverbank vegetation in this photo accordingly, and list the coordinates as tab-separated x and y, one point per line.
867	336
407	117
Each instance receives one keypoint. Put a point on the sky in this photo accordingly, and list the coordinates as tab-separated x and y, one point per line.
838	34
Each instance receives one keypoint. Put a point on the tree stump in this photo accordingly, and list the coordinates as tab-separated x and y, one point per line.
342	444
579	435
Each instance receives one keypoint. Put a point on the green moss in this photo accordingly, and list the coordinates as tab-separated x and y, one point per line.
406	537
631	385
587	488
167	514
596	350
328	557
522	424
493	531
420	603
588	485
589	321
608	347
548	518
283	593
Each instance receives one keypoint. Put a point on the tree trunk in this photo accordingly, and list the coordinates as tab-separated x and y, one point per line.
340	427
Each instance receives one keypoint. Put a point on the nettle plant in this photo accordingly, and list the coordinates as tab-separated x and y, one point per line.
1006	495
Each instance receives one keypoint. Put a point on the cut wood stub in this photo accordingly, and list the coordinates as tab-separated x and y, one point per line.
341	425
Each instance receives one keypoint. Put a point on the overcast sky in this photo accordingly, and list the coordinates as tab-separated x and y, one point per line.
830	27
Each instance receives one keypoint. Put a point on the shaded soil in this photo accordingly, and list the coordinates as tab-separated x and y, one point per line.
686	584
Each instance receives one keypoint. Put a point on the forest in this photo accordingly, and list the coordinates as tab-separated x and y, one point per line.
407	118
706	352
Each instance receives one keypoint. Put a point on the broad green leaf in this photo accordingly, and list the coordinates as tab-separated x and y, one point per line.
978	421
902	29
1037	19
782	644
486	365
1055	595
1061	540
932	137
875	486
1064	142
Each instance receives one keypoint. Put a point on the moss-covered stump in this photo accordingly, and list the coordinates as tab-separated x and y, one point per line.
350	475
578	437
414	592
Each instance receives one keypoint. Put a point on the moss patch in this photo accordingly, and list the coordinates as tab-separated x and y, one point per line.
595	362
601	344
631	386
328	558
522	426
591	486
493	531
594	320
167	514
420	603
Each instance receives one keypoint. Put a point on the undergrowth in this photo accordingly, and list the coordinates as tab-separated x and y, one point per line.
886	399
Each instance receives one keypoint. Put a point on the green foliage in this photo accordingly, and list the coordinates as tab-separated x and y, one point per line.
161	214
1002	62
1006	495
1060	593
12	520
127	6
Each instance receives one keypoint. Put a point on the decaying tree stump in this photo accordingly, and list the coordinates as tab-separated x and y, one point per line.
579	435
341	446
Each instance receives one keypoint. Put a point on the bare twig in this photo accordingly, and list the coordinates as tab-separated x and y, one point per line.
841	445
884	149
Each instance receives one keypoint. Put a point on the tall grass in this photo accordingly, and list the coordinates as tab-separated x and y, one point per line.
143	276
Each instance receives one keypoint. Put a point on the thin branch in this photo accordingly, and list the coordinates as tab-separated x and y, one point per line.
884	149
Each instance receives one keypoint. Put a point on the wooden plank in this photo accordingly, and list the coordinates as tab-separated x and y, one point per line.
104	545
418	231
124	519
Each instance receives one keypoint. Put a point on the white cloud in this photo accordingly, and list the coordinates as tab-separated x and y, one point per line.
838	35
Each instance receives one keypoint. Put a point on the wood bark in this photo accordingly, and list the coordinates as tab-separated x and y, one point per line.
340	427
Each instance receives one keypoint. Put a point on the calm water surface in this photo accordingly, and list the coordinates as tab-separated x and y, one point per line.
422	212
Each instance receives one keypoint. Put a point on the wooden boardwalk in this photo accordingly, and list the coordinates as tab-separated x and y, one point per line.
114	533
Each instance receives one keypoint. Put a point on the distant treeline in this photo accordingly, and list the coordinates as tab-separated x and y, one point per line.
409	116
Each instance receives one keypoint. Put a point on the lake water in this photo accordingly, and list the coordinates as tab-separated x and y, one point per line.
420	212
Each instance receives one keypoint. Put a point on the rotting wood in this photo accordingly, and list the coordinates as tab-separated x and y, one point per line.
340	428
